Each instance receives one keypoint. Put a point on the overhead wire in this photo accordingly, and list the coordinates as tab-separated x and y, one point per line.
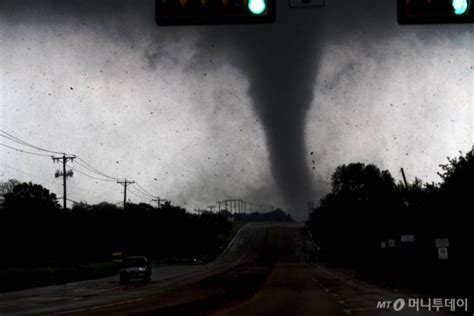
88	166
89	176
30	174
141	191
24	143
24	151
138	195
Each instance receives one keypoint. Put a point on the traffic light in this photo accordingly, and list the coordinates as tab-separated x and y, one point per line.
199	12
434	11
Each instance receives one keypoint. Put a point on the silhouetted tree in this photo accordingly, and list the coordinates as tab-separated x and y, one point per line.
81	207
455	204
458	178
35	231
365	207
29	197
362	209
30	214
7	186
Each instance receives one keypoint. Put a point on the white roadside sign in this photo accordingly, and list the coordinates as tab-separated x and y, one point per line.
442	243
443	253
407	238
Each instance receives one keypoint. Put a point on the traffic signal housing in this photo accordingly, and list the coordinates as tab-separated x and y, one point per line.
202	12
434	11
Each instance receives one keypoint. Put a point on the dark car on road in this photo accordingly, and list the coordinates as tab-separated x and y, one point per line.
135	268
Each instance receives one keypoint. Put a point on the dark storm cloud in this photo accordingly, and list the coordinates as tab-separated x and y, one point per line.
281	79
281	61
86	8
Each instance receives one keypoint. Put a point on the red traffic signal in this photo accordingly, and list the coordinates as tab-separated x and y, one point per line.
201	12
434	11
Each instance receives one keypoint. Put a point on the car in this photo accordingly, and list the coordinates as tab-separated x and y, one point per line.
135	268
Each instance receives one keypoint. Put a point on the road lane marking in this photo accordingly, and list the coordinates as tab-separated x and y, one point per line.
81	310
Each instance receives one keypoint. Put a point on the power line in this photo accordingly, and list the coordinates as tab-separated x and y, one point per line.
89	176
65	174
24	151
59	198
93	169
143	191
42	178
95	172
158	201
125	183
138	195
22	142
30	174
85	164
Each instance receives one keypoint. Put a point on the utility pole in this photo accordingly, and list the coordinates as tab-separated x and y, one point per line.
404	179
158	201
64	158
125	183
211	208
407	191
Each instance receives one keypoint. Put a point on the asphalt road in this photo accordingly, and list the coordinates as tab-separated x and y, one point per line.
89	294
264	271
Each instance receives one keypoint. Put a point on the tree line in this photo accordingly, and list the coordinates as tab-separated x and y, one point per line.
35	231
370	222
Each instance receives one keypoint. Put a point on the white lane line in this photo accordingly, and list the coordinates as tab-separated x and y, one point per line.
131	301
81	310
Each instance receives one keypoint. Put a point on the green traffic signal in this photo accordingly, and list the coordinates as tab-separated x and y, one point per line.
214	12
257	7
460	6
434	11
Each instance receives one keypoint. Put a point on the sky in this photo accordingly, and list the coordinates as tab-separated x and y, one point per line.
200	114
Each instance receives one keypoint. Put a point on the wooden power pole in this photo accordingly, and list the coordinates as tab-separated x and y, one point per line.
64	159
125	183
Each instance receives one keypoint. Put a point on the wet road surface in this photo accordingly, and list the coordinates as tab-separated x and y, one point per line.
264	271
